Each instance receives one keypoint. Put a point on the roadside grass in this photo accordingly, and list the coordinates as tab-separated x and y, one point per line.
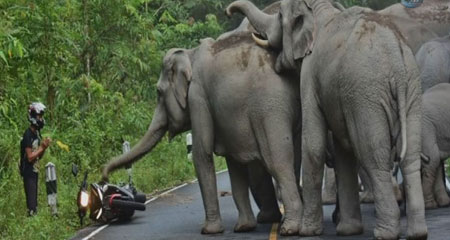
166	166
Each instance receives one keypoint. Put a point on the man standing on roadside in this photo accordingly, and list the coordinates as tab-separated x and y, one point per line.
31	150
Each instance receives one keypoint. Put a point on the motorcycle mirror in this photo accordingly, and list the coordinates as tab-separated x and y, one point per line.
74	169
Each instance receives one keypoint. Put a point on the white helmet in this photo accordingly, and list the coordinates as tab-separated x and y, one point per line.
35	109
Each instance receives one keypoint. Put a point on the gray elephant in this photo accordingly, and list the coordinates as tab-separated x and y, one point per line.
433	59
228	93
360	80
435	144
419	25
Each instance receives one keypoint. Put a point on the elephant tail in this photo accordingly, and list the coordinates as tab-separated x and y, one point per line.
401	94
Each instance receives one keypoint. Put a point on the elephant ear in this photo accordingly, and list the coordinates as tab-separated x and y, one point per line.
181	77
303	30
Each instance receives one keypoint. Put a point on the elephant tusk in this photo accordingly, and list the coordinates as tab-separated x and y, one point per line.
260	42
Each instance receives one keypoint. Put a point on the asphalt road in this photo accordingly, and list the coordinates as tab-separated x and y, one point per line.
179	215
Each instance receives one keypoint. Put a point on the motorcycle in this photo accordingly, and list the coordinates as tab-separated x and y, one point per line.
107	202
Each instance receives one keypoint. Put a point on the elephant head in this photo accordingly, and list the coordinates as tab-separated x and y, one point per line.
171	113
290	31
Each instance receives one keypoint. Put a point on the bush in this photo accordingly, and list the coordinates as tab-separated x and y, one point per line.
95	65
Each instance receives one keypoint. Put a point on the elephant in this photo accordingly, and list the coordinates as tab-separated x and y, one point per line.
359	79
227	92
435	144
419	25
433	59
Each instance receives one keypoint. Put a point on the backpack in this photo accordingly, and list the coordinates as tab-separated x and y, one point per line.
21	164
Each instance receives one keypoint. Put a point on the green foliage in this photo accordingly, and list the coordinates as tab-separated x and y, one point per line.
95	65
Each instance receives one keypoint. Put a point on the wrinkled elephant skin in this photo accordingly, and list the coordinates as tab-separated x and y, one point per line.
228	93
359	79
435	144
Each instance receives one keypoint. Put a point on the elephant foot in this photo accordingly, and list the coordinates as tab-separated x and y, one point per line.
431	204
387	232
269	216
366	197
311	230
348	228
289	228
417	230
212	227
245	224
443	200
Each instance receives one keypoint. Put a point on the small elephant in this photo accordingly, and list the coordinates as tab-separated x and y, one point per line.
435	144
360	80
228	93
433	59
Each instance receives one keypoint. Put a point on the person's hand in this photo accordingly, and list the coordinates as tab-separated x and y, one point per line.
46	143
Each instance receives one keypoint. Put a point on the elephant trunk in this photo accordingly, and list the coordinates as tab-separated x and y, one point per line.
268	26
154	134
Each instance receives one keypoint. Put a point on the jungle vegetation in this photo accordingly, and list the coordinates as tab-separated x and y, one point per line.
95	65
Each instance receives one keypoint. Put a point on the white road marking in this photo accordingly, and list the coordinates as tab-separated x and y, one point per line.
166	192
96	231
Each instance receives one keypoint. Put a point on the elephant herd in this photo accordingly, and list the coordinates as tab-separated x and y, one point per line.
295	79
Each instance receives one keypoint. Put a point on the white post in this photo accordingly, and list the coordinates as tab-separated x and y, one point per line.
189	146
50	182
125	149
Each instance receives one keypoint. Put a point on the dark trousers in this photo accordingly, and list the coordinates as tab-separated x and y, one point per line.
31	192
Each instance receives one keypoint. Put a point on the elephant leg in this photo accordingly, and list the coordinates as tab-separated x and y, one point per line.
370	138
429	174
440	191
335	217
263	192
410	167
239	188
314	143
387	211
298	161
276	145
350	213
329	189
367	195
202	153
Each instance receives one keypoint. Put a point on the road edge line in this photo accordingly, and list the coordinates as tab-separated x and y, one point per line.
92	234
95	232
164	193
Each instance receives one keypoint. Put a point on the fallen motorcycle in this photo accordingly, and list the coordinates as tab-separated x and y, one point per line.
106	201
